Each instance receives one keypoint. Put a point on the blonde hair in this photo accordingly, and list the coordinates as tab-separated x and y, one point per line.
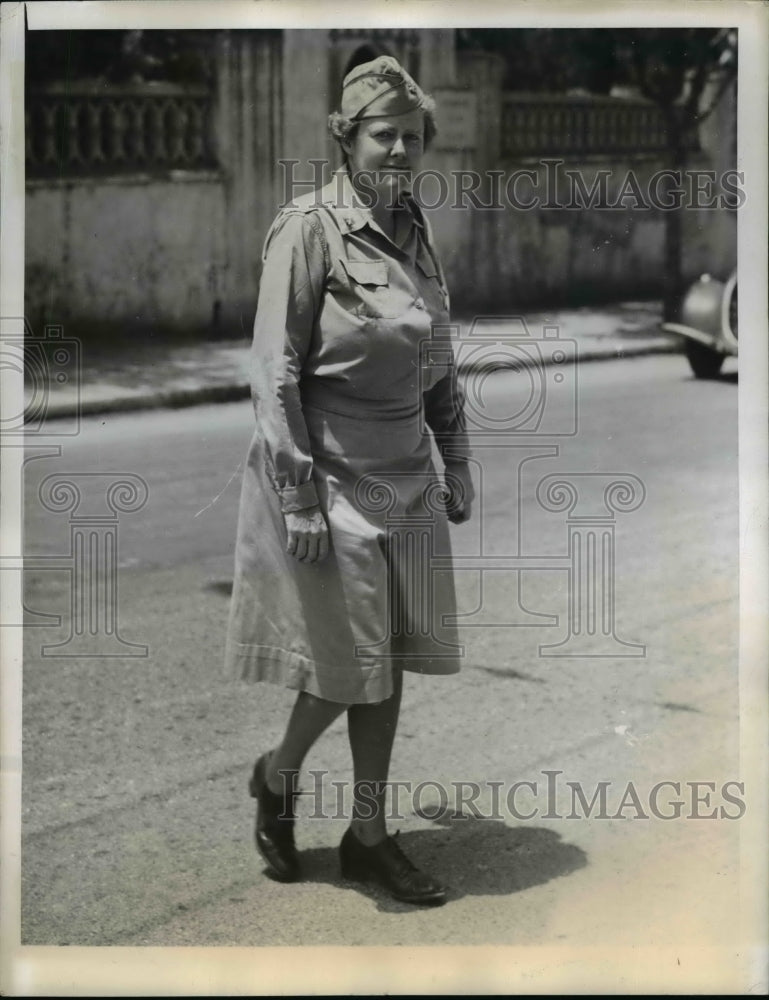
341	128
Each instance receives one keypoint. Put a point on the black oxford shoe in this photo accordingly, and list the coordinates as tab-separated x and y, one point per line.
386	864
274	834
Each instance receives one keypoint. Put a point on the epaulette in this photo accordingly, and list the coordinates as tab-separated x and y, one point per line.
305	203
302	205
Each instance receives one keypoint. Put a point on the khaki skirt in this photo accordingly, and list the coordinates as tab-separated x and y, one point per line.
383	597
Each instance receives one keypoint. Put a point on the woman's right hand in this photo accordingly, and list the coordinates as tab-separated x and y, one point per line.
307	534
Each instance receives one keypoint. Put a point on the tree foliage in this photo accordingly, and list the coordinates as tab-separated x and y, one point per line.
664	64
119	56
549	59
683	71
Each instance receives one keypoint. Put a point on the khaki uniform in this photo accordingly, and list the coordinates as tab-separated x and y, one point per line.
345	384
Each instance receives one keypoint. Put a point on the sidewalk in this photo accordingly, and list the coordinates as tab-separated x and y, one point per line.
150	376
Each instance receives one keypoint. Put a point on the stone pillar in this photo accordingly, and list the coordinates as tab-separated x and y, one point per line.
248	124
437	58
718	138
468	237
307	100
483	72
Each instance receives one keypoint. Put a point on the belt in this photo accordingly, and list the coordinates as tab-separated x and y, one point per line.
331	400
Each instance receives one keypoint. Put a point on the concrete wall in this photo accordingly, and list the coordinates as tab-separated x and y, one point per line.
183	252
124	254
511	257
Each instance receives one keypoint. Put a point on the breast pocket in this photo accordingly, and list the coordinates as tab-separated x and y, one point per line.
369	289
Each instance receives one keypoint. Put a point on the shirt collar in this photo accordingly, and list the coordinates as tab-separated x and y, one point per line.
341	197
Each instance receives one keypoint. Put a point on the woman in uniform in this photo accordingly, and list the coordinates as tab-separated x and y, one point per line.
341	507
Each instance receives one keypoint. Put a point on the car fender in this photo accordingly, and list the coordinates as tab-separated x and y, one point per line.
704	314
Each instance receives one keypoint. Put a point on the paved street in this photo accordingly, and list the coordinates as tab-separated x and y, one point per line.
122	375
137	825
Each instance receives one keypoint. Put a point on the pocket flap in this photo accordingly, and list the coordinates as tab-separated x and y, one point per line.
367	272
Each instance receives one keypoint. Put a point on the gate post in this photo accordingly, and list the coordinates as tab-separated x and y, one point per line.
248	125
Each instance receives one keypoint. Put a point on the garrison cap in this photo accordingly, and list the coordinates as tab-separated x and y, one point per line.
380	87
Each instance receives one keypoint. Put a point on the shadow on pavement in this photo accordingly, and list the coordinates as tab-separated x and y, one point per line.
472	857
726	378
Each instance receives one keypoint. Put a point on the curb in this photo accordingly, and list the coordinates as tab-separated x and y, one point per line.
175	400
237	391
616	353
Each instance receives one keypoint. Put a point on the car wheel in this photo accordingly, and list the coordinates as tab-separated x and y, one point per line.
704	362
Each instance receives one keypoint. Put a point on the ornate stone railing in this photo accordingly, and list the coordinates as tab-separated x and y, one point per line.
86	130
546	125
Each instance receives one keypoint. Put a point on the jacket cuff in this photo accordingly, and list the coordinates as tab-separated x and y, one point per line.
456	452
298	497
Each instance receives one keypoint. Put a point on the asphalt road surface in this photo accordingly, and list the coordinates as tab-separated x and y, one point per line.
137	826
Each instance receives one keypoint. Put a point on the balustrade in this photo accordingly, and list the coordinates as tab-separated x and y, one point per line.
113	130
539	125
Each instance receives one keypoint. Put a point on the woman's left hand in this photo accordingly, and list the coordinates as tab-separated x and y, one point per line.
306	534
461	493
